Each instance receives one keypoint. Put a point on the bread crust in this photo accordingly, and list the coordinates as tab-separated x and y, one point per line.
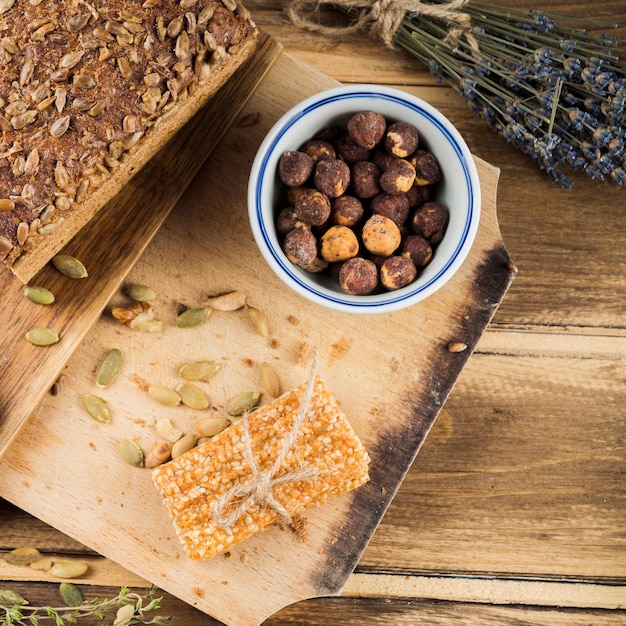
89	92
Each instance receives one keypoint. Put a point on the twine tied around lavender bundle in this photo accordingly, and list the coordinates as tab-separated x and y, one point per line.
382	18
260	490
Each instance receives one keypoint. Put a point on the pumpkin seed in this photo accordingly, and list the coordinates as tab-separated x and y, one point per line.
11	598
22	556
70	594
139	293
192	317
68	569
109	368
131	452
242	402
42	336
166	430
199	370
210	426
192	396
39	295
97	408
184	444
227	301
69	266
160	453
259	320
270	380
164	395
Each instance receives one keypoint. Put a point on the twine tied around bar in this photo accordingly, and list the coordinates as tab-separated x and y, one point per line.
260	489
382	18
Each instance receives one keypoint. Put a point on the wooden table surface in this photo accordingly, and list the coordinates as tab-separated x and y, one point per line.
515	510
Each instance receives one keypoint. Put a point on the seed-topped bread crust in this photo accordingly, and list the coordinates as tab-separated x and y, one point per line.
89	91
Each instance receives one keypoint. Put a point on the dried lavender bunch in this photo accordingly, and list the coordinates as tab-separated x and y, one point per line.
550	88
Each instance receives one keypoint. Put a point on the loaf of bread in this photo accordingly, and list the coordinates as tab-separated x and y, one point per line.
89	92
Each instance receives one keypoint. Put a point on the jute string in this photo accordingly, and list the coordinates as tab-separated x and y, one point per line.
382	18
260	489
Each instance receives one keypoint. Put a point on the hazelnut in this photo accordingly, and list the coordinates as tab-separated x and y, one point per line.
418	195
312	207
396	208
430	221
427	171
365	179
349	150
367	128
287	220
398	178
339	243
383	160
294	168
417	249
346	210
300	246
381	236
332	177
318	150
292	193
397	272
358	276
401	139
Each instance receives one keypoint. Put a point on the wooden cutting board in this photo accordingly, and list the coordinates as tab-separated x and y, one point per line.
391	372
109	246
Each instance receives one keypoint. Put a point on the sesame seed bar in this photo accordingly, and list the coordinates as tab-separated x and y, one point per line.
191	484
89	92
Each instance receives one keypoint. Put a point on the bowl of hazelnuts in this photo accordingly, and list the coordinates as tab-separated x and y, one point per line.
364	199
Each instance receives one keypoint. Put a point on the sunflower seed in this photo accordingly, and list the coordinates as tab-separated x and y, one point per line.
70	594
69	266
184	444
42	336
192	396
242	402
164	395
97	408
22	556
259	320
160	453
211	426
227	301
39	295
199	370
166	430
68	569
270	380
131	452
6	204
109	368
192	317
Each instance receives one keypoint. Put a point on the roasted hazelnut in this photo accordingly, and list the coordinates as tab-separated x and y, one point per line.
332	177
396	208
300	246
294	168
427	171
430	221
346	210
358	276
397	272
417	249
318	150
287	220
339	243
418	195
292	193
401	139
367	128
398	178
365	179
349	150
381	235
383	159
312	207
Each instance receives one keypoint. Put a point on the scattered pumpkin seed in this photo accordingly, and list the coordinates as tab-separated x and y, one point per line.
42	565
211	426
97	408
199	370
166	430
68	569
42	336
192	396
230	301
164	395
192	317
11	598
160	453
259	320
242	402
39	295
139	293
270	380
131	452
184	444
22	556
70	594
109	368
69	266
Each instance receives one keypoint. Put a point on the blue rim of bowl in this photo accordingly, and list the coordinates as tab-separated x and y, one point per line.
392	300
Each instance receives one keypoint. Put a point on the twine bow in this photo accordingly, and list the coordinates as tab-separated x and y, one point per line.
382	18
260	490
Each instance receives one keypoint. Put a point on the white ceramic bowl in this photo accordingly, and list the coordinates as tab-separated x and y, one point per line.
459	191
